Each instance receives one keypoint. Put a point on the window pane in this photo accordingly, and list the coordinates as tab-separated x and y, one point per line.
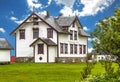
71	48
49	32
66	48
61	48
75	35
40	48
84	47
22	34
71	35
35	33
75	48
80	49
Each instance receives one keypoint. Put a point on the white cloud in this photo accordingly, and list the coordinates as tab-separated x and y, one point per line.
85	28
34	3
67	11
49	2
19	21
16	20
68	3
13	18
2	30
92	7
90	50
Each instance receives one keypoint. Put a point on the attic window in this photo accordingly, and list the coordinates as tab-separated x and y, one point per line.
65	28
35	21
35	18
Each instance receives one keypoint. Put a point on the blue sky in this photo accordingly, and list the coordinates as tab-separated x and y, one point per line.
13	12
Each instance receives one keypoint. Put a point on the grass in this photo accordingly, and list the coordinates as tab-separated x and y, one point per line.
52	72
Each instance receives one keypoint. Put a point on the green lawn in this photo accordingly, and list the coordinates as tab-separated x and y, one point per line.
52	72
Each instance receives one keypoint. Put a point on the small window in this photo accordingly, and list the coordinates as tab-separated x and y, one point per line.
40	48
75	48
35	33
65	28
35	21
80	49
35	18
49	32
61	48
73	25
71	35
66	48
75	35
84	49
71	48
22	33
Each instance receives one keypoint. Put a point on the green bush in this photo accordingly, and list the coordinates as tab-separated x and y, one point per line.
113	77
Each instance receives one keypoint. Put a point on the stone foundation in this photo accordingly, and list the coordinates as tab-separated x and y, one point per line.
70	59
24	59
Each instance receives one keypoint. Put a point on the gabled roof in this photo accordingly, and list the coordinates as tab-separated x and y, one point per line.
55	23
65	21
45	40
83	33
4	44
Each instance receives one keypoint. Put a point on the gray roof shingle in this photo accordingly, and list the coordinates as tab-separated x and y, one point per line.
45	40
83	33
4	44
65	21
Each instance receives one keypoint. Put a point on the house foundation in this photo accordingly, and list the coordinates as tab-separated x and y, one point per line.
70	59
24	59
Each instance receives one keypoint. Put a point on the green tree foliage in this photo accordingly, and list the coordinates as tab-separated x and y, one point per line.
107	35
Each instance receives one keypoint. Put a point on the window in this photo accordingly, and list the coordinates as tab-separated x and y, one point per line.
84	49
22	33
75	35
80	49
71	35
65	28
66	48
35	33
73	25
49	32
40	48
35	21
61	48
71	48
75	48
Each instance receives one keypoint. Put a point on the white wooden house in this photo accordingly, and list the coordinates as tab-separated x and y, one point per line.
42	38
5	48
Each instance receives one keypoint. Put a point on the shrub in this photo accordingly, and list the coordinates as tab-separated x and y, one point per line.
114	77
87	70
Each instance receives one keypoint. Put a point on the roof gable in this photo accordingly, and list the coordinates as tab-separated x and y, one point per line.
45	40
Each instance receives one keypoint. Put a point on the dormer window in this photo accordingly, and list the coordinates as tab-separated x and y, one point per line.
65	28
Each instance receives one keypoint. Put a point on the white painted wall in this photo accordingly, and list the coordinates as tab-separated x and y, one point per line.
66	39
37	56
52	53
4	55
22	45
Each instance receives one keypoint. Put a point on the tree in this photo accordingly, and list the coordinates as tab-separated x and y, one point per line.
107	36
